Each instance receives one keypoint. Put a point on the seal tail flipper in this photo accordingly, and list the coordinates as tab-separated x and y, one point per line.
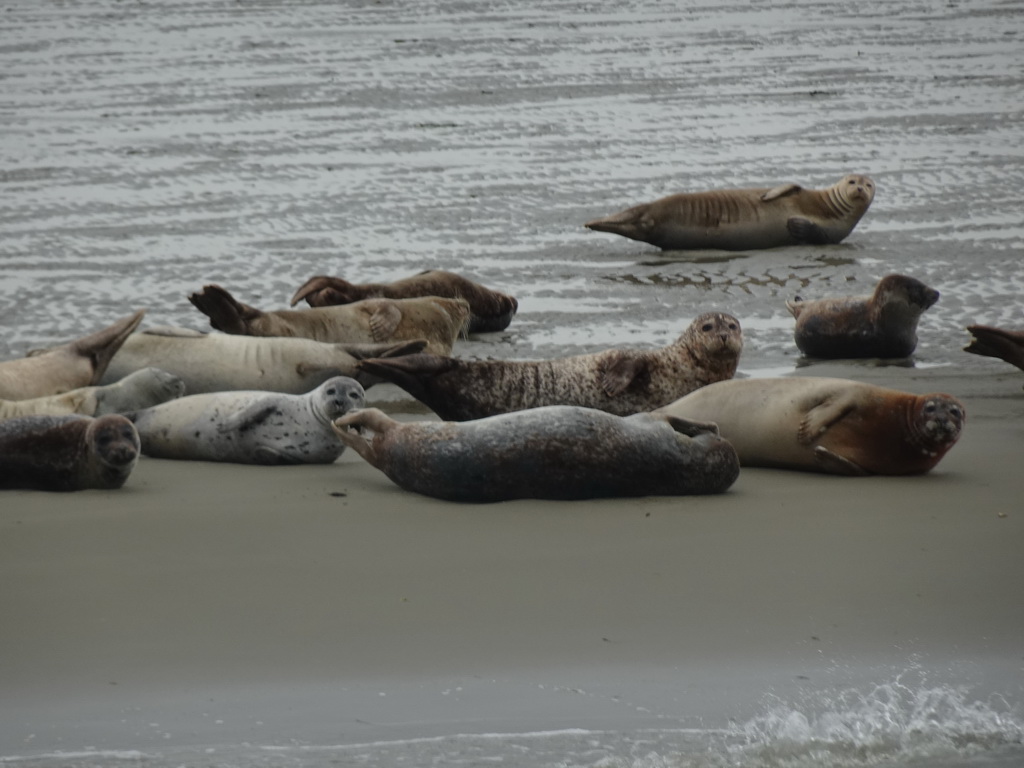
103	345
367	351
689	427
324	291
410	372
997	342
795	306
629	223
225	313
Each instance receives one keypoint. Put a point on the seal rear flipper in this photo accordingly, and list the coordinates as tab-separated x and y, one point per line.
997	342
620	371
367	351
225	313
412	373
689	427
795	306
806	231
780	191
101	346
629	223
835	464
384	319
325	291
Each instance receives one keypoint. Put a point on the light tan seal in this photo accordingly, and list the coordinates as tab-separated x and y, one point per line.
489	309
828	425
997	342
557	452
79	363
746	219
883	324
438	320
619	381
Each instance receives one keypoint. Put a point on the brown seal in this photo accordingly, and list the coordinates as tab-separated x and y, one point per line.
883	324
619	381
828	425
489	310
997	342
67	453
746	219
440	321
79	363
557	452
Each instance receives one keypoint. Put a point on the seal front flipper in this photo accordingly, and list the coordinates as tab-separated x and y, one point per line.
835	464
248	418
620	371
806	231
384	319
264	454
822	416
780	191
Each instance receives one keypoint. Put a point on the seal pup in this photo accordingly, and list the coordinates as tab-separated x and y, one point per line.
619	381
746	219
67	453
883	324
250	427
141	389
997	342
828	425
489	310
214	362
79	363
438	320
556	452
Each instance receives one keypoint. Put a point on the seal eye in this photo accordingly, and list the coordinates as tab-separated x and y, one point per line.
955	412
732	326
707	327
929	408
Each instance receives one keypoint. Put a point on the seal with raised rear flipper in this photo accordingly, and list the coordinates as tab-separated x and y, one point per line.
556	452
990	341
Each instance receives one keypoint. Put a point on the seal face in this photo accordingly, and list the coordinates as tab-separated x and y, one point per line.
883	324
556	452
746	219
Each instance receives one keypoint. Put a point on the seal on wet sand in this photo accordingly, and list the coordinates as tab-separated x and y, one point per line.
489	309
883	324
619	381
250	427
997	342
556	452
828	425
746	219
67	453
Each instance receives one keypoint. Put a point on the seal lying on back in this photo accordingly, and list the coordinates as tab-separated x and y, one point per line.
250	427
883	324
67	453
438	320
744	219
828	425
619	381
78	363
489	310
557	452
997	342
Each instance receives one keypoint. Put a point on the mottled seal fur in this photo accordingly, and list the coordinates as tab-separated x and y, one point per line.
745	219
489	309
67	453
883	324
250	427
997	342
828	425
619	381
556	452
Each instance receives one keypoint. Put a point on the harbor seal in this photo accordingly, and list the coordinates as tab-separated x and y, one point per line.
556	452
828	425
250	427
619	381
141	389
746	219
215	362
438	320
489	310
67	453
883	324
78	363
997	342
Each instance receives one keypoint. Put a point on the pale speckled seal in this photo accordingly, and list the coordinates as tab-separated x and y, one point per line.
489	309
746	219
250	427
438	320
67	453
619	381
997	342
79	363
828	425
883	324
556	452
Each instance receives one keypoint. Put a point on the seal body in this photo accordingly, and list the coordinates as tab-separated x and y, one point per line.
489	309
250	427
140	389
883	324
997	342
619	381
557	452
828	425
67	453
746	219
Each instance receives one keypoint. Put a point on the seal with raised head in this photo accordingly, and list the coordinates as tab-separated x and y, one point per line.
997	342
141	389
746	219
556	452
250	427
67	453
883	324
828	425
79	363
438	320
619	381
489	309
